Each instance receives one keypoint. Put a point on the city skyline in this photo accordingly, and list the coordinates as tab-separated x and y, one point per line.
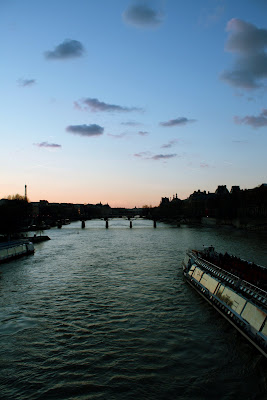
219	189
126	102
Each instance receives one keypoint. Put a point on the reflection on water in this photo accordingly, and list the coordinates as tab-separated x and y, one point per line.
105	314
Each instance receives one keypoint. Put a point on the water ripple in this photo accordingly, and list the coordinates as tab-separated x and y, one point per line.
105	314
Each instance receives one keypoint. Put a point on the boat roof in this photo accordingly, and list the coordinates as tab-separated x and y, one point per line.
13	243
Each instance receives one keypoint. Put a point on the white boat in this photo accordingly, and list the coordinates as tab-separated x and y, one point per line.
235	288
14	249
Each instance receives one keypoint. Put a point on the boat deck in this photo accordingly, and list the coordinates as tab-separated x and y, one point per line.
241	302
242	286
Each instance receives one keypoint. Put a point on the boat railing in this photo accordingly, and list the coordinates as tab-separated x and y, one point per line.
258	295
13	243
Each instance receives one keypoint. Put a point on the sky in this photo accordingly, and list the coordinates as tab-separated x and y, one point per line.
125	102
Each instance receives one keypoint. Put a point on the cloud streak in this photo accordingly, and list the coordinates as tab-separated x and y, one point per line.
69	48
85	130
170	144
247	43
146	155
131	123
143	154
143	16
26	82
180	121
99	106
163	156
239	141
143	133
254	121
118	136
48	145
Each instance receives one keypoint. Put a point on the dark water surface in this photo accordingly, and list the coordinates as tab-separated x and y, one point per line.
105	314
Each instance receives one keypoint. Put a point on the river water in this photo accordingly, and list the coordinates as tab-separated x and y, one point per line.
101	313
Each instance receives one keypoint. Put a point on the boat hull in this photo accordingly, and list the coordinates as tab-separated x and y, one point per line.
11	251
247	315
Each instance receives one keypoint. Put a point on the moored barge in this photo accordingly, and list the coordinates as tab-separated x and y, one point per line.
237	289
15	249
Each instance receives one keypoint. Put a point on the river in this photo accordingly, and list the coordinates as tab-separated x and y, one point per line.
101	313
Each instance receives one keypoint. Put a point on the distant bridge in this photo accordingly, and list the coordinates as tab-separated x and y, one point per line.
124	212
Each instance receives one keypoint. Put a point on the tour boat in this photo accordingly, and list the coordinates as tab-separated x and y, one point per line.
14	249
237	289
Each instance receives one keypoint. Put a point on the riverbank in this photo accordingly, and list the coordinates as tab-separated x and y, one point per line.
251	224
248	224
38	239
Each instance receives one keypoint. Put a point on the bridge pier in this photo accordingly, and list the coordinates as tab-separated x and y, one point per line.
131	224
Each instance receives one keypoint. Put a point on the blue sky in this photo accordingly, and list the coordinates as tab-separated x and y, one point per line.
125	102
